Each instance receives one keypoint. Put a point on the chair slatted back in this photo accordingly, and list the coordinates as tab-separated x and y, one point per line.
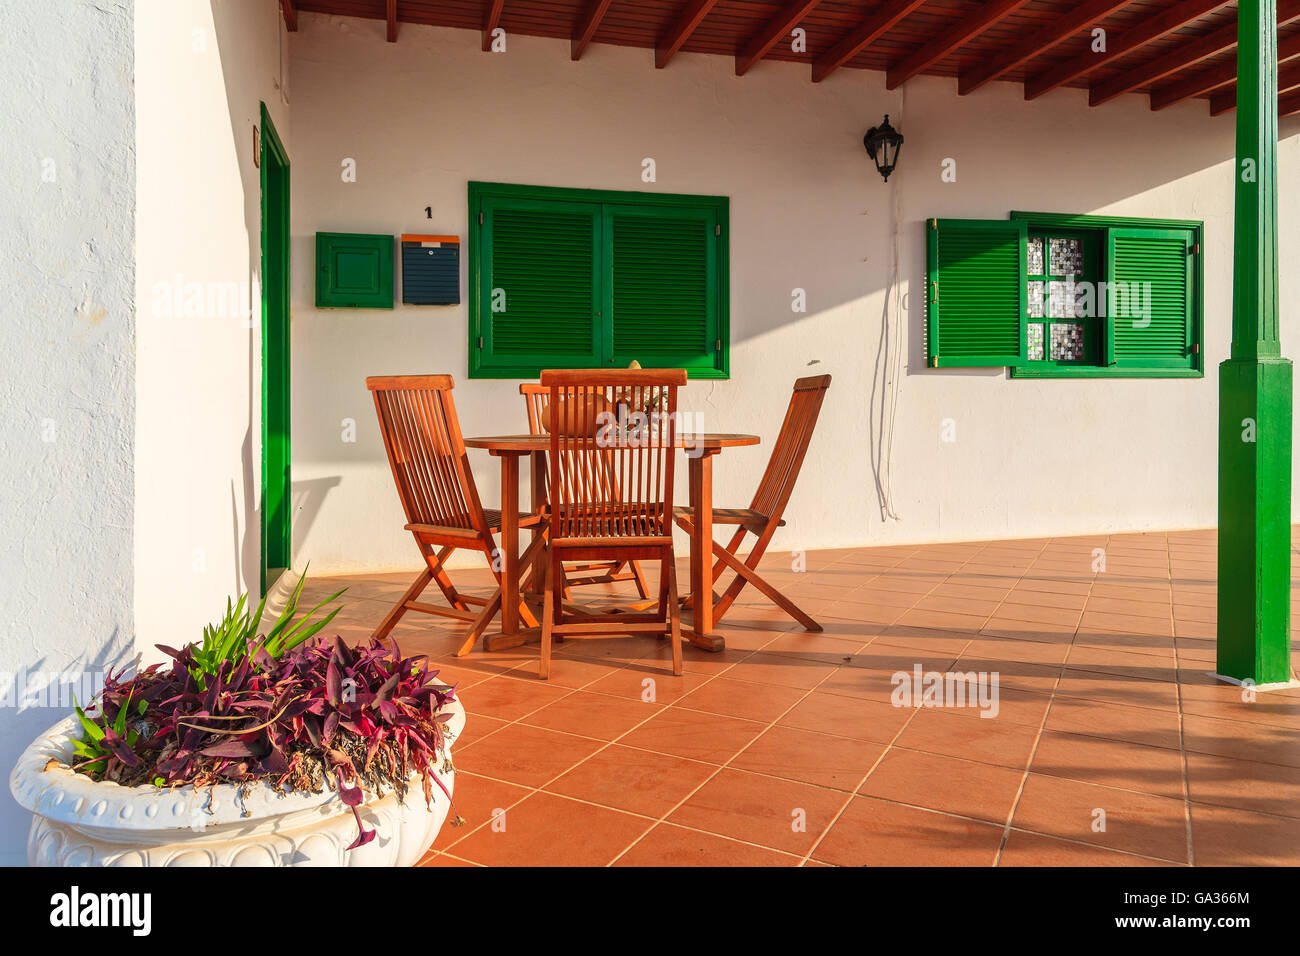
613	451
426	450
791	445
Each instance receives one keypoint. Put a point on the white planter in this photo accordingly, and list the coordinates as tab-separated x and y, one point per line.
78	822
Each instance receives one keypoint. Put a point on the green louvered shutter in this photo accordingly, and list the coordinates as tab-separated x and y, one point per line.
1149	298
662	293
976	292
539	287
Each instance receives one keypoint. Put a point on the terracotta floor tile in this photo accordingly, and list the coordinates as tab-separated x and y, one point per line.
820	648
1118	689
1242	741
1111	763
592	715
878	833
1244	784
525	755
781	814
1136	822
695	735
844	716
987	740
477	726
962	787
540	832
646	683
477	799
1225	837
1034	849
508	699
772	668
735	698
637	781
838	763
567	671
670	845
1139	725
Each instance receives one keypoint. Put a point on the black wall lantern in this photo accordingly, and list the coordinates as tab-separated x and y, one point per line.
883	143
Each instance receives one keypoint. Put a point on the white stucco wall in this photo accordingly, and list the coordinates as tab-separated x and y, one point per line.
425	115
203	67
67	341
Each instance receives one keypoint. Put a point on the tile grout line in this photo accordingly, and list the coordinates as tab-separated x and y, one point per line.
1182	735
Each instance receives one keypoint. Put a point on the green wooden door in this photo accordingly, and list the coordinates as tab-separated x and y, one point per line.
276	488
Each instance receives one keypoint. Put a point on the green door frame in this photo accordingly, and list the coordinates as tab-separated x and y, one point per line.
275	467
1255	386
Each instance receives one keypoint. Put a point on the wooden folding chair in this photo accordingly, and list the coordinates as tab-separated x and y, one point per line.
603	572
611	492
763	516
426	450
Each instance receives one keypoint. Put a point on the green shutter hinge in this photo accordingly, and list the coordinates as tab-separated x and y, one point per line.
480	341
934	225
717	345
1194	249
717	229
480	219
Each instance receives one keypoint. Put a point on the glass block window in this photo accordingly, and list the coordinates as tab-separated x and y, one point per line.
1035	341
1067	342
1066	257
1036	257
1036	290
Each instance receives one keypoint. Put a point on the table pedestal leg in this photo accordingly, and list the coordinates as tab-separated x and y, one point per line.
701	632
509	544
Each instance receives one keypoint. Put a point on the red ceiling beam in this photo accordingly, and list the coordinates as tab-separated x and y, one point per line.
1132	38
1040	39
290	15
491	20
1288	78
1288	105
1189	54
866	32
936	49
780	25
692	16
392	21
586	26
1214	77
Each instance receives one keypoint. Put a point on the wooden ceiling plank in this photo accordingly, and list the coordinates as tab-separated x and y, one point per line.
491	20
1215	77
1289	104
864	33
586	27
1042	38
1121	44
952	39
780	25
392	21
1288	78
691	16
1189	54
290	15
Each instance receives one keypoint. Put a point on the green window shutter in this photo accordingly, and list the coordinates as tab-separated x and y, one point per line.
976	295
538	298
1150	298
662	286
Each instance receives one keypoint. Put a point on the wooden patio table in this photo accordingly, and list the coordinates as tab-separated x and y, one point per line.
701	450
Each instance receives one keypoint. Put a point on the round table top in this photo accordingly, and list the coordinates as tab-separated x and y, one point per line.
711	441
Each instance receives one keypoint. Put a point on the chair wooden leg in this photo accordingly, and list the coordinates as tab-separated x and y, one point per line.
663	584
549	615
440	576
638	579
480	624
390	620
674	615
745	574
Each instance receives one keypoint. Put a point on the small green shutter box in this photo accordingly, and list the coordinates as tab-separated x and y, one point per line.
354	271
539	285
1149	298
976	293
663	276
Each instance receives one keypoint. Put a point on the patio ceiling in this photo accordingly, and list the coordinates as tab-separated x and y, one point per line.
1171	50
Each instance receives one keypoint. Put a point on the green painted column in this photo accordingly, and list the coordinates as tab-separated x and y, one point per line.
1255	385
